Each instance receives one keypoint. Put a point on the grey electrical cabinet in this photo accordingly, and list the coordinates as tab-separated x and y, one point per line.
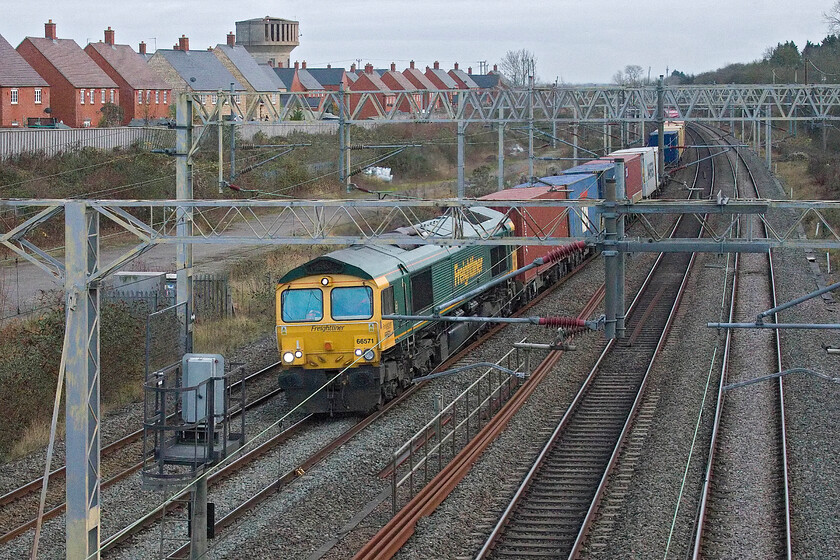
206	373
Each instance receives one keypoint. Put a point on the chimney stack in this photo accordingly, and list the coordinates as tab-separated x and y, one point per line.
329	65
184	43
297	65
411	64
142	47
109	36
353	67
303	65
280	64
456	66
368	68
176	47
437	65
393	67
49	30
469	69
495	68
231	39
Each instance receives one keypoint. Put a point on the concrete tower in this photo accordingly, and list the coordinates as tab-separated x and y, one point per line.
269	40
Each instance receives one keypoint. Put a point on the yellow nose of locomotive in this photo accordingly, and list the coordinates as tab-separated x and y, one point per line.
329	345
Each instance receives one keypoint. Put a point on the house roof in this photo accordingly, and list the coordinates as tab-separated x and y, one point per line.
464	77
418	78
352	76
327	76
375	80
130	65
400	79
72	62
486	81
445	78
14	70
272	75
248	67
308	81
201	70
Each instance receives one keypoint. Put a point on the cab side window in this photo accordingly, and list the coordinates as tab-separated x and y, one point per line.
388	301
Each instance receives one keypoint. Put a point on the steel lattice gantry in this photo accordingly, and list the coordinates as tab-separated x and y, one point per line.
565	104
282	222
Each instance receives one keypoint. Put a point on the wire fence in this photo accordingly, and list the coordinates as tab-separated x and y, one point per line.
51	142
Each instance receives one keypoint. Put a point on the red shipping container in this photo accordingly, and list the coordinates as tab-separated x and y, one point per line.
534	222
633	178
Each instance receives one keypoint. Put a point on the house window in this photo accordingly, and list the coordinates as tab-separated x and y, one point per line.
14	96
148	96
139	97
103	97
214	98
238	98
112	96
164	97
38	96
81	97
157	97
92	93
274	99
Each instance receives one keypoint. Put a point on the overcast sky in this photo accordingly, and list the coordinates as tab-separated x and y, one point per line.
574	40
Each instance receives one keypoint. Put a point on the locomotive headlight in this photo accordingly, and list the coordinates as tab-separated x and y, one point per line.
298	354
358	351
369	355
288	357
325	281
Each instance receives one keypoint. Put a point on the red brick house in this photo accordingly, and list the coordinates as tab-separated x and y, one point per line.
442	80
143	95
369	81
399	83
462	78
79	89
23	93
421	82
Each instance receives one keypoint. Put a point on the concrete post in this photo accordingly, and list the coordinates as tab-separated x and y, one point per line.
620	304
576	132
184	216
198	534
501	178
232	146
221	143
660	124
82	382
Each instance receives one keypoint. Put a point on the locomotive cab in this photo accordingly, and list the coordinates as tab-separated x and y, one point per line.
328	326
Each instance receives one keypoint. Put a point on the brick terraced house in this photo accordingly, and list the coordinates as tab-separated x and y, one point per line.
143	95
23	93
78	87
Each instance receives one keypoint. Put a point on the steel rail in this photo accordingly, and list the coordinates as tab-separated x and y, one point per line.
399	529
112	448
709	475
243	509
575	406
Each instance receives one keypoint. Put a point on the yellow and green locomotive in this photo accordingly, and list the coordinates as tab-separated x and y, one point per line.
329	312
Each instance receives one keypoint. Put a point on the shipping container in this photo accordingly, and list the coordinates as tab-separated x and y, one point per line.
649	163
672	142
632	173
548	222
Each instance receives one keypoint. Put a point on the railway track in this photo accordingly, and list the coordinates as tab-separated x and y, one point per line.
232	518
556	503
18	507
745	500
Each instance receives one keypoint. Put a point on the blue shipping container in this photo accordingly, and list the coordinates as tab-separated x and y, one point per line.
672	140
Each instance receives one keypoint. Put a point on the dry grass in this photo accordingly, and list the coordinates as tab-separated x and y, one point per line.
794	175
35	436
226	335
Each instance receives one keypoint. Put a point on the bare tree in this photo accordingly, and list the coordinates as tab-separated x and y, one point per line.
832	18
633	75
517	66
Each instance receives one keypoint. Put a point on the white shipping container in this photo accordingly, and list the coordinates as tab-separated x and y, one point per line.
650	177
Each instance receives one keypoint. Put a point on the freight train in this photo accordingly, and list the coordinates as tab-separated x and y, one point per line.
330	327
